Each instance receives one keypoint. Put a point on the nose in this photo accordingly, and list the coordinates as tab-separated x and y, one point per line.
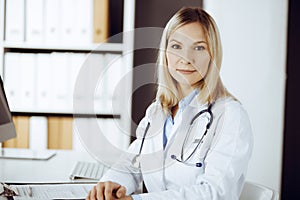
184	61
186	57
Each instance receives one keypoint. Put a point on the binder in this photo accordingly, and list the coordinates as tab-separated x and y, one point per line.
15	15
22	129
113	77
34	21
52	21
27	86
60	131
85	87
101	20
60	81
38	133
84	25
96	70
12	80
44	82
77	61
53	133
66	132
68	20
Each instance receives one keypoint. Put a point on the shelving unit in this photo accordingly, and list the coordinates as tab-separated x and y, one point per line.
114	47
105	47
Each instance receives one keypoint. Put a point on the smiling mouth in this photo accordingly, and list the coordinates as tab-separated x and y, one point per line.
185	71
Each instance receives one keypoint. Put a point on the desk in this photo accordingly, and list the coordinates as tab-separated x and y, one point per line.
55	170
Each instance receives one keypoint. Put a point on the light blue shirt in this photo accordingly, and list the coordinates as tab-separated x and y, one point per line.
136	197
169	123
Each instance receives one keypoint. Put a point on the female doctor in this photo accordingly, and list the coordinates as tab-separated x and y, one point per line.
195	140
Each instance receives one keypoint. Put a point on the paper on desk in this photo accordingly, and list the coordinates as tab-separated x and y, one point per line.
53	191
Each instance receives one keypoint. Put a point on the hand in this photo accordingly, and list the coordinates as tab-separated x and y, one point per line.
108	191
126	198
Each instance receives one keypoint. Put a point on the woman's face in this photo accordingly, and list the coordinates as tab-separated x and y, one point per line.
187	55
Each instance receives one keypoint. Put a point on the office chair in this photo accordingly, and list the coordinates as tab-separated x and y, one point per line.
253	191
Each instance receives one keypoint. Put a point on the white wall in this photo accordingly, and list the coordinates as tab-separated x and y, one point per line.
254	44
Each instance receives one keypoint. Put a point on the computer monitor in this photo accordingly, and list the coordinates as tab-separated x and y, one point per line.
7	128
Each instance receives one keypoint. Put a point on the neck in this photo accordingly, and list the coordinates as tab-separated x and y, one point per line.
184	90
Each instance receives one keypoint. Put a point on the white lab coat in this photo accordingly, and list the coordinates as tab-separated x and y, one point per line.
224	155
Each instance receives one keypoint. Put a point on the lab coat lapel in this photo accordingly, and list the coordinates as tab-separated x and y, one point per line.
155	133
152	158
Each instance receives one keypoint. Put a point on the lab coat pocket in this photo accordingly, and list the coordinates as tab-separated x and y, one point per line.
190	169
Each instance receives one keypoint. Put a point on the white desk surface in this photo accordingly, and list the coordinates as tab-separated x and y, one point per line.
55	170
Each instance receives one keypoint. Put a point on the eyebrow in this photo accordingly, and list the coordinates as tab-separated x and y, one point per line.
197	42
200	42
175	41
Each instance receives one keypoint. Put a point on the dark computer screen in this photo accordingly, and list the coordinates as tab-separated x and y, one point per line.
7	128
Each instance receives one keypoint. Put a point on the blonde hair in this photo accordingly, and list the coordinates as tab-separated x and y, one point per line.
211	87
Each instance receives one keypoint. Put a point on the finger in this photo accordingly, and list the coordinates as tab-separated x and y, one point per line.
109	188
100	191
126	198
88	195
121	192
93	193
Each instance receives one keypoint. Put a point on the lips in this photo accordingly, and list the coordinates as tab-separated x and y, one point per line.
186	71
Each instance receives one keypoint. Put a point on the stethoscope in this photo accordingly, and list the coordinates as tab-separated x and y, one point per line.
181	159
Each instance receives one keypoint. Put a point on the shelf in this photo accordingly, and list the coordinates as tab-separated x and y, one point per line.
101	47
62	114
121	20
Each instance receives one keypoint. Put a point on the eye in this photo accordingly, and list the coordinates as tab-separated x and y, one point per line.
199	48
175	46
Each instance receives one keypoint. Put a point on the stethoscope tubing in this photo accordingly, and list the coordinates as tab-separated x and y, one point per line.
208	110
144	136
